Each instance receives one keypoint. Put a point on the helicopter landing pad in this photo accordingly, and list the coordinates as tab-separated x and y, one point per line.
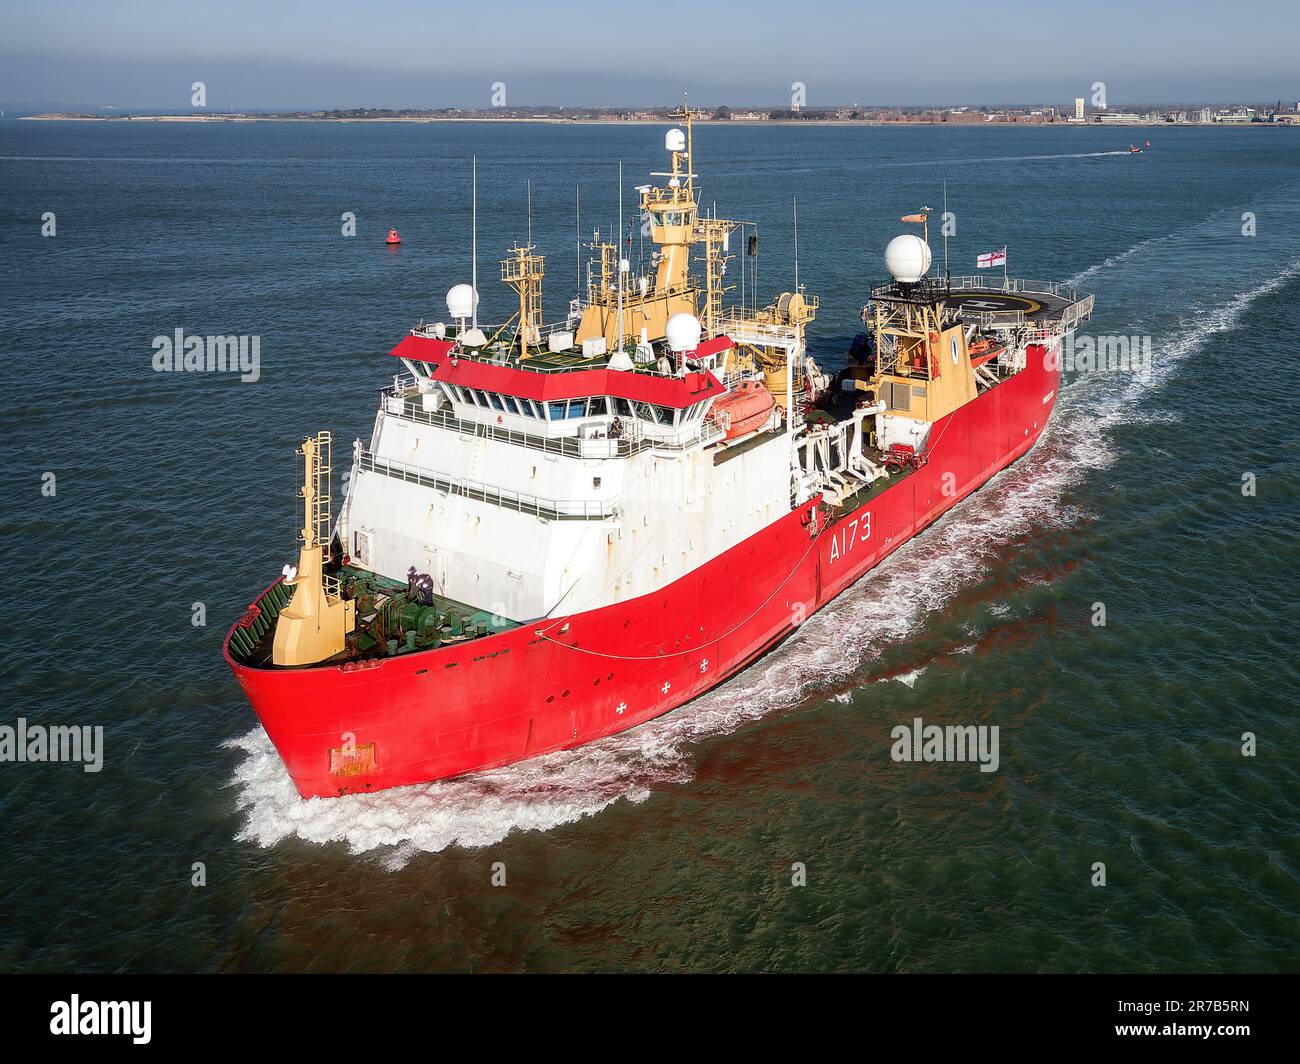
992	302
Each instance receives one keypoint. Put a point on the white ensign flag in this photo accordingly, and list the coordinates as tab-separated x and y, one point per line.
993	258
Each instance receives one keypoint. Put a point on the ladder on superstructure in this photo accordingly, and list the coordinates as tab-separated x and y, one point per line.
317	452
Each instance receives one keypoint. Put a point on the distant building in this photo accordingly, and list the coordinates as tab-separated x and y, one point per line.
1078	108
965	117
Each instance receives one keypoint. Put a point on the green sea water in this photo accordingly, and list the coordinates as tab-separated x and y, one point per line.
673	847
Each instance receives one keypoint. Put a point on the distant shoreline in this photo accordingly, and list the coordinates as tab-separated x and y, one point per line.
744	123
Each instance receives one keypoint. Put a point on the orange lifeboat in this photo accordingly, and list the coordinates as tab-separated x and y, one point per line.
393	238
744	409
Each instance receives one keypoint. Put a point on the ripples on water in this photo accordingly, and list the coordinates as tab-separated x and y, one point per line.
669	846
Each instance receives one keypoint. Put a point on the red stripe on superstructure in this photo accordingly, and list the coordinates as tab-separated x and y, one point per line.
712	347
675	392
423	349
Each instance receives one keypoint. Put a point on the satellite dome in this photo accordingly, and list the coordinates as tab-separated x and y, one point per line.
461	301
675	140
683	332
908	258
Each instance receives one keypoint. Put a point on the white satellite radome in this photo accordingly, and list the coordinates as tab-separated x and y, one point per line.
461	301
908	258
682	332
675	140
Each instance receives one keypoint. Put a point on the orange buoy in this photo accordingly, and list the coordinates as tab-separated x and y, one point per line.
393	238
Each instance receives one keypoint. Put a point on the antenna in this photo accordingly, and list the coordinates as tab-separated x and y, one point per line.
744	266
530	212
946	275
577	235
473	225
690	146
618	257
796	243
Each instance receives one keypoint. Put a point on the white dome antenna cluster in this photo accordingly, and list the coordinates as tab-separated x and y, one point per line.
682	331
461	301
907	258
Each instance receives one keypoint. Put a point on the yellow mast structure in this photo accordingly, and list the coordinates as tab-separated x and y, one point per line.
523	272
672	213
315	623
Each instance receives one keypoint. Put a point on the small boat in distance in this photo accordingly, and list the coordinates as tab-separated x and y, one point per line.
1133	149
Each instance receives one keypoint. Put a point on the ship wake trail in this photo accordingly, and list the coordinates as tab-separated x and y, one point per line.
890	605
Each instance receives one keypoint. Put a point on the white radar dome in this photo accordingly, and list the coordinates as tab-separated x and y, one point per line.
908	258
461	301
675	140
683	332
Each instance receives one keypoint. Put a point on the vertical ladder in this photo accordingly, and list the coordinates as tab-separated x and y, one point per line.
317	452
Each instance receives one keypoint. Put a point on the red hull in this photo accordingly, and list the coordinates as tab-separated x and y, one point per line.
433	714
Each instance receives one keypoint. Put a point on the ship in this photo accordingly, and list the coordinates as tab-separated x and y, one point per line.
558	532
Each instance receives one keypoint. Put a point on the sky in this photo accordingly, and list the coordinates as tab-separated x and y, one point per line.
326	54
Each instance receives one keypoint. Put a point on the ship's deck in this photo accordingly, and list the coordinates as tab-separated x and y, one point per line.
1048	307
996	307
459	622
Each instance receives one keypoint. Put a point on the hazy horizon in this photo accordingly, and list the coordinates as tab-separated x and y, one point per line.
401	54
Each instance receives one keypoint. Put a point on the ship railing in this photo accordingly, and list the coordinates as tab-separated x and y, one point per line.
743	328
1074	316
937	287
620	447
498	353
1013	285
447	484
632	440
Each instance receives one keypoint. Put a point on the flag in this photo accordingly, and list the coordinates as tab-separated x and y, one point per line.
993	258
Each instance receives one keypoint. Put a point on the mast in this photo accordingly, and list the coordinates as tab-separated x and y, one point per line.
618	258
796	243
473	225
789	359
690	147
946	275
